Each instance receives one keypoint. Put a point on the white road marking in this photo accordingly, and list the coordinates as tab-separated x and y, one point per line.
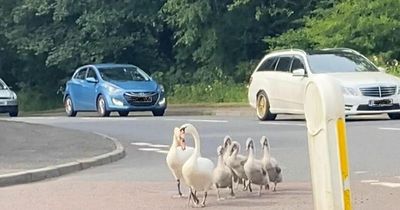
281	123
140	143
108	118
162	151
391	129
370	181
361	172
149	149
159	145
387	184
210	121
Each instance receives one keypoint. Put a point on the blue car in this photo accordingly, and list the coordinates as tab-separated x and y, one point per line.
106	88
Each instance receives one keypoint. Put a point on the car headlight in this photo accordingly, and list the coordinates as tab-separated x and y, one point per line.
13	95
350	91
161	87
117	102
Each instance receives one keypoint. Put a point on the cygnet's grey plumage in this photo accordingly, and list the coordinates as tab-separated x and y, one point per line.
270	163
222	174
254	169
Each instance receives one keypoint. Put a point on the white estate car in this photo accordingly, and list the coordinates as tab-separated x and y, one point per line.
277	86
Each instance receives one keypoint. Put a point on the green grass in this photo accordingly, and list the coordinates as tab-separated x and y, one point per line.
203	93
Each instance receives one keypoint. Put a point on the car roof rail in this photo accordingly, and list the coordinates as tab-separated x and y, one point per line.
343	49
287	50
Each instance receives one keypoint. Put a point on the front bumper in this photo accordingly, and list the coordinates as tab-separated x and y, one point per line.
9	108
123	105
355	105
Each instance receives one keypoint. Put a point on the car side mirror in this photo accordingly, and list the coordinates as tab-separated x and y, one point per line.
91	80
299	73
382	69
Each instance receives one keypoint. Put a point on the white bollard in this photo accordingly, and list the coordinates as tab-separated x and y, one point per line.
324	112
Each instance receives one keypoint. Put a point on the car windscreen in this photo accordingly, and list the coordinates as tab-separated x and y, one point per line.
123	74
2	85
339	62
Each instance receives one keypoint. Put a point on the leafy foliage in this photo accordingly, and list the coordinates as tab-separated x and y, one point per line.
371	27
185	44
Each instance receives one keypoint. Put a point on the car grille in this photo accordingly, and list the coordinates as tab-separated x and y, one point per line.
378	91
366	107
141	98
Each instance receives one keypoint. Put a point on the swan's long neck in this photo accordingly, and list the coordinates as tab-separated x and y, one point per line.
174	144
266	154
251	153
220	160
196	138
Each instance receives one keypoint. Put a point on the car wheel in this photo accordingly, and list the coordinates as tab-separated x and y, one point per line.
102	108
69	108
158	113
13	114
263	106
123	113
394	116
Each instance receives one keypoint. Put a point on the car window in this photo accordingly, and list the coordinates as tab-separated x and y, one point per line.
268	65
81	74
284	64
2	85
128	73
335	62
297	64
91	73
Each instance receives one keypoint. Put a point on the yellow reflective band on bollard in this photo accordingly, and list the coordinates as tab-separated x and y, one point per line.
344	163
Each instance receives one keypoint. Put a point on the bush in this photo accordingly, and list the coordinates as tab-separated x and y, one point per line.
34	100
216	92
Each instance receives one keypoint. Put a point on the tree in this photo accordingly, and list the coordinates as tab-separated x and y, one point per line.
369	26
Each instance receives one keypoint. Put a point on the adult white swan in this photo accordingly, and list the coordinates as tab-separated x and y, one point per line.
178	154
270	163
197	171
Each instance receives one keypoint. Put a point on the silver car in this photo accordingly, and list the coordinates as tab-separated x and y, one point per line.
8	100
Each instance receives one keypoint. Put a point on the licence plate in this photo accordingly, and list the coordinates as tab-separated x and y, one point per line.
382	102
143	99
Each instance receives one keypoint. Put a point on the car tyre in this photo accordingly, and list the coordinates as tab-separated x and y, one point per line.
102	107
69	107
13	114
394	116
123	113
158	112
262	107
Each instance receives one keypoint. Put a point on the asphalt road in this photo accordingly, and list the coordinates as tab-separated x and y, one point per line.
373	148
